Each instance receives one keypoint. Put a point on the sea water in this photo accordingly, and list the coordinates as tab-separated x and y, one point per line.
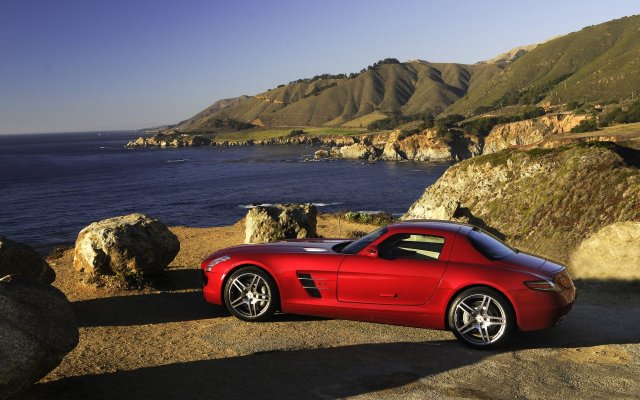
53	185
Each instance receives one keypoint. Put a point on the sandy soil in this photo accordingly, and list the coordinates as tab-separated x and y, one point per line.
167	343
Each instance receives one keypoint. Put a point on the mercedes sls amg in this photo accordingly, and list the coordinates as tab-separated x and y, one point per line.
429	274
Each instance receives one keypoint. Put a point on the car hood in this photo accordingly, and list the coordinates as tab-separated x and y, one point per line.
531	262
308	246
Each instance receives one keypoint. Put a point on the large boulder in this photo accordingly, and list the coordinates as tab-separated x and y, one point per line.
131	245
37	329
612	253
20	259
280	221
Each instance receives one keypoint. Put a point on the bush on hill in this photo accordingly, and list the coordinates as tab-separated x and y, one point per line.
619	116
397	119
586	125
482	126
295	132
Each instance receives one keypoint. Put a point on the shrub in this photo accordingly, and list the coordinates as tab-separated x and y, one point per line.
586	125
572	105
371	218
295	132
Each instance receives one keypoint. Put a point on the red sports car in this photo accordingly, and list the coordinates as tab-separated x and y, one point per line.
429	274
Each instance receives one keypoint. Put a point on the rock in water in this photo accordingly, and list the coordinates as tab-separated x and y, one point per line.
20	259
37	329
281	221
611	253
131	245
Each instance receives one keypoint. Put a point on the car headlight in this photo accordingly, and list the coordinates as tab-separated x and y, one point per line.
215	262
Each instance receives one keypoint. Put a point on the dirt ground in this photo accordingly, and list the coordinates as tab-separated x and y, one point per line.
167	343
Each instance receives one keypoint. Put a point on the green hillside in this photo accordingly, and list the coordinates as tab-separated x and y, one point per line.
410	88
598	63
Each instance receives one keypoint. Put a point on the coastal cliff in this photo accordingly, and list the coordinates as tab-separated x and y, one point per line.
530	131
544	200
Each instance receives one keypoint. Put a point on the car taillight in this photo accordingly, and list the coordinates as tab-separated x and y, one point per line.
563	279
543	284
555	283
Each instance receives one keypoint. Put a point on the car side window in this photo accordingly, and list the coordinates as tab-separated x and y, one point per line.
410	245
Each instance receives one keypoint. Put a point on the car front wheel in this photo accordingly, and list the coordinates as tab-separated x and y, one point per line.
481	318
250	294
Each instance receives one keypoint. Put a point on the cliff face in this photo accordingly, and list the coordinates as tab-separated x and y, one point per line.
544	201
529	132
428	146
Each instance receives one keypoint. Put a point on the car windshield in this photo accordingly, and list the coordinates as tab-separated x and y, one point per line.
489	245
356	246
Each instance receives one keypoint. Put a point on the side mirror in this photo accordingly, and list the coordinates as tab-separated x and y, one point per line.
370	251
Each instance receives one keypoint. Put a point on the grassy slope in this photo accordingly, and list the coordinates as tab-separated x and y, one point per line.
264	134
599	63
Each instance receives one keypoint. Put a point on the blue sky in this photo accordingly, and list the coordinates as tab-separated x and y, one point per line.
97	65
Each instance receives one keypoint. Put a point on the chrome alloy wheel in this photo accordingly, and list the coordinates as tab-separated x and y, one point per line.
480	319
249	295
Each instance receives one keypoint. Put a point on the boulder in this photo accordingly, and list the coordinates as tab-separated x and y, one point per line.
280	221
321	154
358	151
612	253
130	245
20	259
37	329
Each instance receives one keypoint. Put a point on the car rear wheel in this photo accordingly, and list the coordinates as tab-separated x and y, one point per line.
481	318
250	294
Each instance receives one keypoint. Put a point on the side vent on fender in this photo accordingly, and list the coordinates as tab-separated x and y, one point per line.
309	284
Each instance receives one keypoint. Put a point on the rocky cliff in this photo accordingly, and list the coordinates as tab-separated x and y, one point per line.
529	132
543	200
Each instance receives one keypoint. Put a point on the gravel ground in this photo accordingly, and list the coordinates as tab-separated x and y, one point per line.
166	343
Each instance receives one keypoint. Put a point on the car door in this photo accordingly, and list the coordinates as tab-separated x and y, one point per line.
406	270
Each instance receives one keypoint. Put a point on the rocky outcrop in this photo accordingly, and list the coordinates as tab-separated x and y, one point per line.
428	146
21	259
529	132
545	201
170	140
175	139
612	253
358	151
131	245
423	146
37	329
280	221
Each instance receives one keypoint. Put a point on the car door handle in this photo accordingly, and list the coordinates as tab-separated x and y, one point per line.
388	295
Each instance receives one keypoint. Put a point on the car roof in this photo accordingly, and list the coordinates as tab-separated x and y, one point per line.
450	226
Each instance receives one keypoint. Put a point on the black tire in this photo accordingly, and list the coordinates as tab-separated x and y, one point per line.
250	294
477	325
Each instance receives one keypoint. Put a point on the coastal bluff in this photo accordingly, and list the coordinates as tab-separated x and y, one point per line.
546	201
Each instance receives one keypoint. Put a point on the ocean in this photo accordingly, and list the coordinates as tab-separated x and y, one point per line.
53	185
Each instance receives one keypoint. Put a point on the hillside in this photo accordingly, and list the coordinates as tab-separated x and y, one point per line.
531	197
598	63
410	88
200	120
